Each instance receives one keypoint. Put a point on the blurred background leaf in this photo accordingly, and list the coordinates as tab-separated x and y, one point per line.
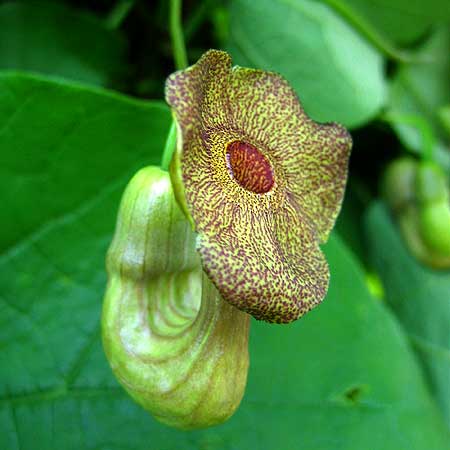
397	21
349	223
419	296
344	377
337	74
55	39
418	91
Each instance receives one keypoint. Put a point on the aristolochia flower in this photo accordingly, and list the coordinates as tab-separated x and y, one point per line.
261	182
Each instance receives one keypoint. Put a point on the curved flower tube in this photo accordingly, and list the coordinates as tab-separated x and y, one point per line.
261	183
177	348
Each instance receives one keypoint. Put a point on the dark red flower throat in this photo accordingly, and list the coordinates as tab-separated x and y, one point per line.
249	167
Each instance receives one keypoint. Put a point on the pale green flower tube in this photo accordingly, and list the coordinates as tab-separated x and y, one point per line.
177	348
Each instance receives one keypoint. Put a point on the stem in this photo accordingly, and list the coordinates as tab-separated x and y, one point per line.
169	148
176	35
118	14
180	58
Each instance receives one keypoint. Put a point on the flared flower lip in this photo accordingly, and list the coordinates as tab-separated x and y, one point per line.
260	181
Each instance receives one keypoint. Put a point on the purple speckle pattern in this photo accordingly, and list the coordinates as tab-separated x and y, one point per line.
258	240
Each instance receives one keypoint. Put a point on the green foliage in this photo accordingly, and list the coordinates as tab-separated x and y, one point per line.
302	39
53	39
418	91
54	375
397	21
356	373
419	296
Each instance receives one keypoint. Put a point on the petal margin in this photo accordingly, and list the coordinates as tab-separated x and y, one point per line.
198	94
273	268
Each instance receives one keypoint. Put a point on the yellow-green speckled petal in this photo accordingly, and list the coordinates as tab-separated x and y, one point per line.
263	184
277	278
312	157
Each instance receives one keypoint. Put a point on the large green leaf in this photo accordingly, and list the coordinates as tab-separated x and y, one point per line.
420	297
341	378
53	39
64	145
399	21
349	223
338	75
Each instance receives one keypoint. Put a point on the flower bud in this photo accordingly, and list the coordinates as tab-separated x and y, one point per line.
418	195
431	185
398	182
435	227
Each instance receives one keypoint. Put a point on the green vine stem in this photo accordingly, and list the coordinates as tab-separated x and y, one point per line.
172	342
180	58
176	35
169	148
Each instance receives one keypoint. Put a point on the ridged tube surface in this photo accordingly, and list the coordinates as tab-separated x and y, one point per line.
177	348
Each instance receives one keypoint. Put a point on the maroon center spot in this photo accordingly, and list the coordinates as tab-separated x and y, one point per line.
249	167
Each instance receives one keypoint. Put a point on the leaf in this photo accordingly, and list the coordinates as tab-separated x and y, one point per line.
50	38
65	143
401	21
316	51
349	223
341	378
419	90
419	296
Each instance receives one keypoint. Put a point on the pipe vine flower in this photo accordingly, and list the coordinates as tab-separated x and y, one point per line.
261	183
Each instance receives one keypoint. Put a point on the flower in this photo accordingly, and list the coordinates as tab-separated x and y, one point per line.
261	182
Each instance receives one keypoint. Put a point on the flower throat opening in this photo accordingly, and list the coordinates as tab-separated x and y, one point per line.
249	167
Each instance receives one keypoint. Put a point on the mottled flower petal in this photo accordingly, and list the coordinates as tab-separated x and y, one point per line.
277	278
262	182
314	156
